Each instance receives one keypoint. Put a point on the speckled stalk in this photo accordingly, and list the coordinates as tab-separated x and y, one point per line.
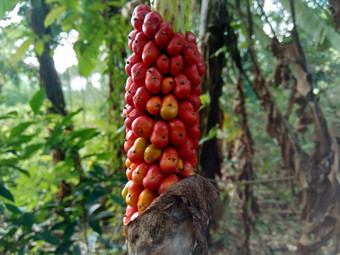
173	11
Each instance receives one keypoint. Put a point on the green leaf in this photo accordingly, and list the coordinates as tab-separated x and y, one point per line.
22	49
12	208
54	14
67	120
6	193
308	19
39	47
6	5
47	236
37	101
64	248
97	193
31	149
104	214
117	199
20	128
212	133
94	224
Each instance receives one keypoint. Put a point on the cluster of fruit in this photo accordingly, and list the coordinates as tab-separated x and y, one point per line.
162	100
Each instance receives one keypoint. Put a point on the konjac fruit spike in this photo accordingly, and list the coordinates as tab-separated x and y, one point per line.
152	154
145	199
176	64
167	182
162	99
163	34
176	44
137	20
160	134
194	131
153	177
139	43
143	126
138	73
131	37
187	113
186	151
167	85
153	105
153	80
182	88
169	159
192	73
195	101
163	63
190	37
150	53
141	98
131	61
151	23
169	108
136	152
141	8
177	132
140	172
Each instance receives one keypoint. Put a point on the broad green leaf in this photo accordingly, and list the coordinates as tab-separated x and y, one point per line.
31	149
104	214
37	101
39	47
96	193
47	236
54	14
64	248
6	5
6	193
67	120
2	209
117	199
20	128
12	208
94	224
20	52
313	24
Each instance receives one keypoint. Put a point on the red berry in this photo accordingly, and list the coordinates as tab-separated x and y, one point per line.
163	34
131	37
138	73
141	97
150	53
151	23
137	20
190	37
139	43
176	44
163	63
192	73
176	64
153	80
182	86
131	61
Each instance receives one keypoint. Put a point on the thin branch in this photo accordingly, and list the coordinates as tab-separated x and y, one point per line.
277	179
266	18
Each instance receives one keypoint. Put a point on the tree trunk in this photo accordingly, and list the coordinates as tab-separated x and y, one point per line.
212	39
176	223
49	79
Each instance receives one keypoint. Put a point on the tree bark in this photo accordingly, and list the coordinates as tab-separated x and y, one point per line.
176	223
49	79
212	39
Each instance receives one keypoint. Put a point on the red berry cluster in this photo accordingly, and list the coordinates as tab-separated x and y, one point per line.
162	100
